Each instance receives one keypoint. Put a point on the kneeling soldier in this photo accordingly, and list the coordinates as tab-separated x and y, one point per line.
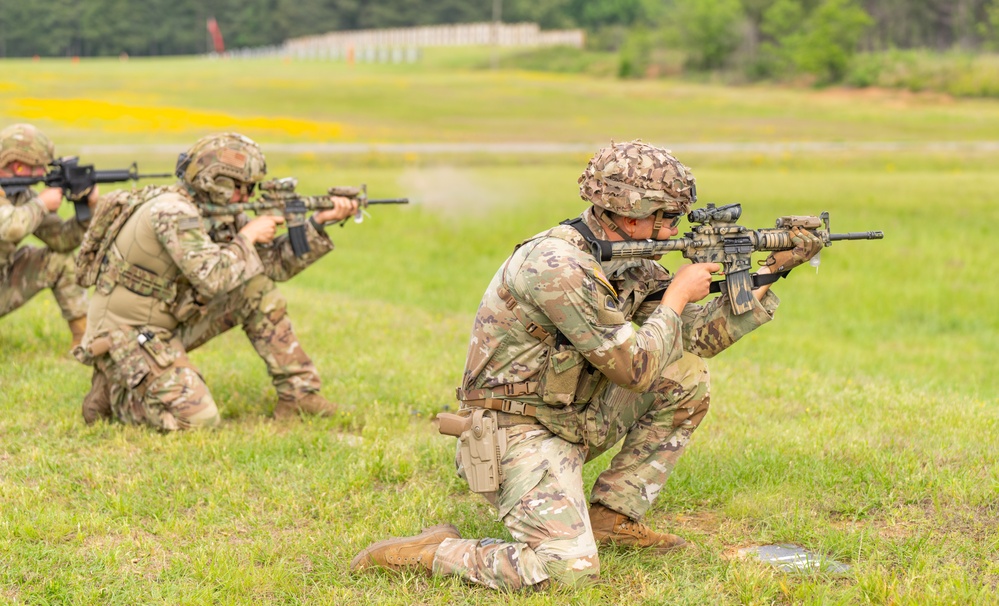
24	271
168	279
557	373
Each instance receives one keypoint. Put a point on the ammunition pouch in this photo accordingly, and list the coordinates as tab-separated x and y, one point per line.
137	355
129	367
481	444
560	378
160	350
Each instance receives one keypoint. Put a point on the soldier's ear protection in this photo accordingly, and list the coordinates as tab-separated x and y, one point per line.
183	161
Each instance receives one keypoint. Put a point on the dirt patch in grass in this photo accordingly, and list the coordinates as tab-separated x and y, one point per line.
907	521
707	522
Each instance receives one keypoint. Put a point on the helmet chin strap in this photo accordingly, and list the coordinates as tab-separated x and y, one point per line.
658	224
610	224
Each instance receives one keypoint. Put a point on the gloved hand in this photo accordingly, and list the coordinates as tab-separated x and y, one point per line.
806	246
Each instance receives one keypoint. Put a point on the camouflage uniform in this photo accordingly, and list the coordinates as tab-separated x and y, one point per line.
171	281
26	270
596	379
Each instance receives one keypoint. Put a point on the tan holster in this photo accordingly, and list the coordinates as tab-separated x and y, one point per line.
482	445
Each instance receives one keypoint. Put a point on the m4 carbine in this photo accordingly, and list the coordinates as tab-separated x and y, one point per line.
715	238
76	181
280	195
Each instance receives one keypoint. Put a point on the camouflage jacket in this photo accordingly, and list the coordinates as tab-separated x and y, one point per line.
167	261
23	215
557	284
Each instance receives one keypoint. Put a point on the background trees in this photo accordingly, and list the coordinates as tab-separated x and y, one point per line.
758	38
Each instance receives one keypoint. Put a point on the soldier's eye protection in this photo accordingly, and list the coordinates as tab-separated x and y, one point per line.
674	220
246	188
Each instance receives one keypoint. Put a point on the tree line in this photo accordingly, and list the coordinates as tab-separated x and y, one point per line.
815	35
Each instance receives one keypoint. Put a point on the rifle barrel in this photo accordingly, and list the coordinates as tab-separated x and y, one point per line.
858	235
388	201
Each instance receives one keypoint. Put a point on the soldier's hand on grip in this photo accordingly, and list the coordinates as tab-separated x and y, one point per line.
51	198
690	283
806	246
262	229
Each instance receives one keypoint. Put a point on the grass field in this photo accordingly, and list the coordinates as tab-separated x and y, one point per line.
859	424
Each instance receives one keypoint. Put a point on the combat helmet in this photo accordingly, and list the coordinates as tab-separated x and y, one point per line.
638	180
25	143
214	164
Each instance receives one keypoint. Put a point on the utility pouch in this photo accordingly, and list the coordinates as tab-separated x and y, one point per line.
186	306
482	446
557	386
591	381
450	424
129	365
162	353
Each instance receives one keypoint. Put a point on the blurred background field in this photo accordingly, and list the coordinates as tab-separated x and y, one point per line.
859	423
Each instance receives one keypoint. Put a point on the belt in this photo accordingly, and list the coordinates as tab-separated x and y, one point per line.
496	399
511	407
504	419
509	390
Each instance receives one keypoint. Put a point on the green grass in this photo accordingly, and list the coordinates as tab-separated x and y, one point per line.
860	423
403	103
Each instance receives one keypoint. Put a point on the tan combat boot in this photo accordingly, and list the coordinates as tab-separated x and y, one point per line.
313	404
613	528
404	552
97	402
78	327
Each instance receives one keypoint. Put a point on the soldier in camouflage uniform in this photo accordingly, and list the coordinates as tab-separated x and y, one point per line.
558	363
169	279
25	270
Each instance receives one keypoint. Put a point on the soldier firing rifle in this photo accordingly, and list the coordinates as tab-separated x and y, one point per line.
280	195
76	181
715	238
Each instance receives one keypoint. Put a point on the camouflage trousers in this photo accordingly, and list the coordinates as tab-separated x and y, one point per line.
541	500
33	269
153	382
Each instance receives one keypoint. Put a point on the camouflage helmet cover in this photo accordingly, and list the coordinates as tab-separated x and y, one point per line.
214	165
25	143
636	180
